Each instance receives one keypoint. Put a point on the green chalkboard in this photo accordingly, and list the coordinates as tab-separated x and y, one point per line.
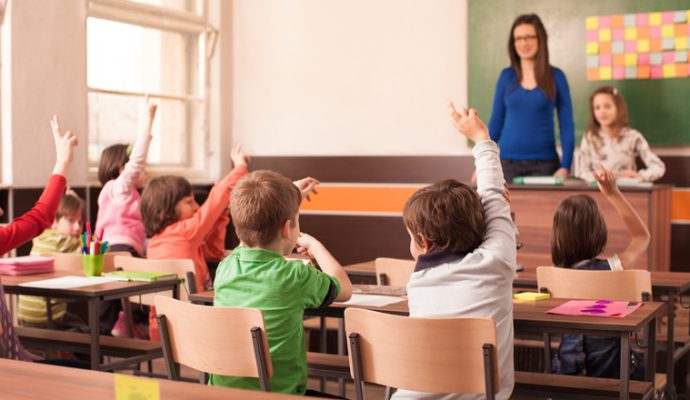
660	109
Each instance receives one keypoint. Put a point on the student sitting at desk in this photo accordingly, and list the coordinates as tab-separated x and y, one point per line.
30	225
464	244
579	236
264	209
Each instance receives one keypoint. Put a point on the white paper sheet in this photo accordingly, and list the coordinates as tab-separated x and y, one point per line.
68	282
372	300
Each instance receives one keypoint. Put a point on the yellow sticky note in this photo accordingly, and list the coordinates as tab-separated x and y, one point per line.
630	33
532	296
604	35
669	71
630	59
681	43
130	387
605	73
592	48
643	45
592	22
654	19
667	31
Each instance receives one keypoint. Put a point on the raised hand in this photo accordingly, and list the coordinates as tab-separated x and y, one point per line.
239	157
307	186
606	181
468	123
65	143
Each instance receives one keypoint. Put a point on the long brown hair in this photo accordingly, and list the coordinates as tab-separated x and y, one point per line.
112	159
542	67
593	126
159	199
579	231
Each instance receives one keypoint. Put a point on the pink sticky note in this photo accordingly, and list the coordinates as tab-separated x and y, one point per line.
667	17
593	35
655	32
597	308
618	72
643	59
605	60
642	19
618	34
656	72
631	46
605	22
669	57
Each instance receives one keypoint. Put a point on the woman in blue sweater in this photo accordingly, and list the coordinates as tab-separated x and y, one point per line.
522	119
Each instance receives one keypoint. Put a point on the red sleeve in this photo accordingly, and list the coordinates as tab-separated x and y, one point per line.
35	221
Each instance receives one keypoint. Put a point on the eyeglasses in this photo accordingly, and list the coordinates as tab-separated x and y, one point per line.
527	38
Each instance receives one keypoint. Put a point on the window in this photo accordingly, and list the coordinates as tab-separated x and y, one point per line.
154	47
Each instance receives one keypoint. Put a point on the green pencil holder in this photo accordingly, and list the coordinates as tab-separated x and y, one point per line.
92	264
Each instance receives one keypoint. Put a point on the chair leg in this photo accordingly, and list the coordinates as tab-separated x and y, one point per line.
387	393
547	353
357	365
173	368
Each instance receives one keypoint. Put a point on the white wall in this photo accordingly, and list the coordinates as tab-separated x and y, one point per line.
348	77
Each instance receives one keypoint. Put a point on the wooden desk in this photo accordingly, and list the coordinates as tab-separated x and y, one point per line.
534	206
25	380
94	295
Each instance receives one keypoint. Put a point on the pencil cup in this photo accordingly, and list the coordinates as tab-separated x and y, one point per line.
92	264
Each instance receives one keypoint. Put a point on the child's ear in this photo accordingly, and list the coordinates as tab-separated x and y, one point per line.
285	229
423	244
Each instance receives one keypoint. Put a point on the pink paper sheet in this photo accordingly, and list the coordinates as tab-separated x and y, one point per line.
597	308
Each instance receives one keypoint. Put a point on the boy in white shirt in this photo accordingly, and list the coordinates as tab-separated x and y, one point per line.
464	244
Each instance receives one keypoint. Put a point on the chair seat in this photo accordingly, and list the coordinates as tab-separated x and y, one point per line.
328	365
576	387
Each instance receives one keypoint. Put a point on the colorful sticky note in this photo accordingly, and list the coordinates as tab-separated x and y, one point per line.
616	21
682	70
604	21
654	19
592	61
643	45
619	60
668	43
669	71
592	74
617	47
680	17
680	30
605	35
592	48
605	73
666	31
643	59
630	59
655	59
655	72
630	46
667	17
618	72
681	43
592	35
629	20
130	387
643	32
592	22
630	33
642	19
655	32
630	72
655	45
618	34
643	72
669	57
681	57
605	60
605	48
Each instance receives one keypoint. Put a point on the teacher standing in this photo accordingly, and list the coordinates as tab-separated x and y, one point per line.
527	93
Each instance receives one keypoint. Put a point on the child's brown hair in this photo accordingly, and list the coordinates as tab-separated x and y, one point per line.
579	231
449	214
112	159
159	199
260	204
621	121
71	205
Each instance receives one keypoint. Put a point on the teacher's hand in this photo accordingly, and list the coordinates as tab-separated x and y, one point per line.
561	173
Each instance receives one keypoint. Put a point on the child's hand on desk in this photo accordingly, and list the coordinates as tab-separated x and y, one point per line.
468	123
307	186
606	181
628	173
238	156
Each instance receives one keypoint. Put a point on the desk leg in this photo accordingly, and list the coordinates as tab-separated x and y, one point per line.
650	353
625	365
670	345
49	313
94	324
127	310
341	351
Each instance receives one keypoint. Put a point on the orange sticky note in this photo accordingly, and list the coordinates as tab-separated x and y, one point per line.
643	32
655	45
593	74
643	72
617	21
619	60
605	48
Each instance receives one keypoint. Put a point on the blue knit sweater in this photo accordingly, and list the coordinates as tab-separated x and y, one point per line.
522	121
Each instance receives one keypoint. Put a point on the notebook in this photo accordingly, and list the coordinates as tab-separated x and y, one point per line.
140	276
26	265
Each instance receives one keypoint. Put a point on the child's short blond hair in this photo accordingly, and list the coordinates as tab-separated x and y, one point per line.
261	202
449	214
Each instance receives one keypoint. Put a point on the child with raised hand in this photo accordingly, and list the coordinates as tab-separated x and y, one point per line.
30	225
579	236
180	228
465	255
61	237
265	212
611	142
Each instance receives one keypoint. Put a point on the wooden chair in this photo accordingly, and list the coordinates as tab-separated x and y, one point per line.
219	340
437	355
393	271
71	262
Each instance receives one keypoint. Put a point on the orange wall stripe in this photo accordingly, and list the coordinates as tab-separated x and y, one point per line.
371	199
680	205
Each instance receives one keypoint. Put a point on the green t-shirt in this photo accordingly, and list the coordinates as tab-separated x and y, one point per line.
281	289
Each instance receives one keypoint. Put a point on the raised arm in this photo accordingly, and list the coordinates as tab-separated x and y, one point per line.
638	231
126	182
329	265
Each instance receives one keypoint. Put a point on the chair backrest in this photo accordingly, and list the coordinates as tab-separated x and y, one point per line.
184	268
219	340
567	283
71	262
393	271
438	355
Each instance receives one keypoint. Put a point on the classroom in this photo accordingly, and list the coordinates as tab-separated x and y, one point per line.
350	101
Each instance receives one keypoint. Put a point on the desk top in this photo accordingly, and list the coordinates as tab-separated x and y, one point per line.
585	187
11	285
20	379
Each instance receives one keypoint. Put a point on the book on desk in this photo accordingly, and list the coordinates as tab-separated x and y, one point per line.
140	276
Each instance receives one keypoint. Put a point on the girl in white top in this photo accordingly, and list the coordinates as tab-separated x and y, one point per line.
610	142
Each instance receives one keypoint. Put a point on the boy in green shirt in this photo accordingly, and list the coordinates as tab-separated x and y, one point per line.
264	208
